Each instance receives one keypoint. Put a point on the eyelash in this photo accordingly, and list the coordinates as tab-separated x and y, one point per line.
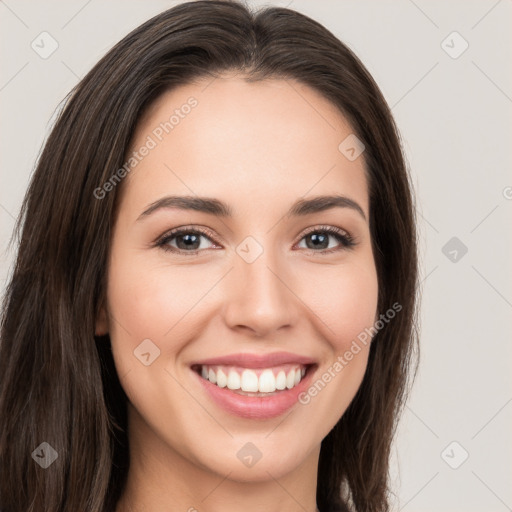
345	239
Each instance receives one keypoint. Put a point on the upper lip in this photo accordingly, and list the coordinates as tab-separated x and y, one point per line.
246	360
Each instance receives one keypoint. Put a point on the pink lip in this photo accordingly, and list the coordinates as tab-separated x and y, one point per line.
256	407
257	360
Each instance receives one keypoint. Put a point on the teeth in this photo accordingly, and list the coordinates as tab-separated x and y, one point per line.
290	379
267	382
281	380
233	380
247	380
222	380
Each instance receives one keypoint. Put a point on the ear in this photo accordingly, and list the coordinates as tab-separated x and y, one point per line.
102	327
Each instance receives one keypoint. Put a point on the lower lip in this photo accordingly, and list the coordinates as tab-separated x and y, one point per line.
256	407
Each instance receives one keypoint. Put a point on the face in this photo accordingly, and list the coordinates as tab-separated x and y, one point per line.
268	298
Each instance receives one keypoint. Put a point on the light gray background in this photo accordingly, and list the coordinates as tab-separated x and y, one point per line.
454	116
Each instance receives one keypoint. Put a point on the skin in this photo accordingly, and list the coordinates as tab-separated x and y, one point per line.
258	147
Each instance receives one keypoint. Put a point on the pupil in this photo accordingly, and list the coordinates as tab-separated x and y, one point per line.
315	239
188	240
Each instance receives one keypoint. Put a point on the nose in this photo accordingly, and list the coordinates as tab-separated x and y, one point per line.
260	297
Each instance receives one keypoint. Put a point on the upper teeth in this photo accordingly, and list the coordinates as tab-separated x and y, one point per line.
262	380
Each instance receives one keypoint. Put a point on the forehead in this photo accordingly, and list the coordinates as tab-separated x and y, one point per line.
266	141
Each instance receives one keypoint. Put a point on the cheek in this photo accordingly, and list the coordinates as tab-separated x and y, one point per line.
344	297
345	301
169	304
154	302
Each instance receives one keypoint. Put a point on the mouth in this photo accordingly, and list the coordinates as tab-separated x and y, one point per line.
255	386
254	382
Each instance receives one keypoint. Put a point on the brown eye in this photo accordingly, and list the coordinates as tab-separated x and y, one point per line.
318	239
186	240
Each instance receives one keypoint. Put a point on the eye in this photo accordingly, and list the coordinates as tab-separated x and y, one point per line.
319	239
186	239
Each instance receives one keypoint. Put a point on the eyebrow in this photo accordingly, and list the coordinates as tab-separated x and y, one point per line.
218	208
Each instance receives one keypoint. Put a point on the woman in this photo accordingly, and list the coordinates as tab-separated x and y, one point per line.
213	302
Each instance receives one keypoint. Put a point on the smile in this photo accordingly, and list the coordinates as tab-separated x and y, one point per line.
254	381
253	386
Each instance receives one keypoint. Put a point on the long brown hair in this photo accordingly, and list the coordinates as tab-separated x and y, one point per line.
58	383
